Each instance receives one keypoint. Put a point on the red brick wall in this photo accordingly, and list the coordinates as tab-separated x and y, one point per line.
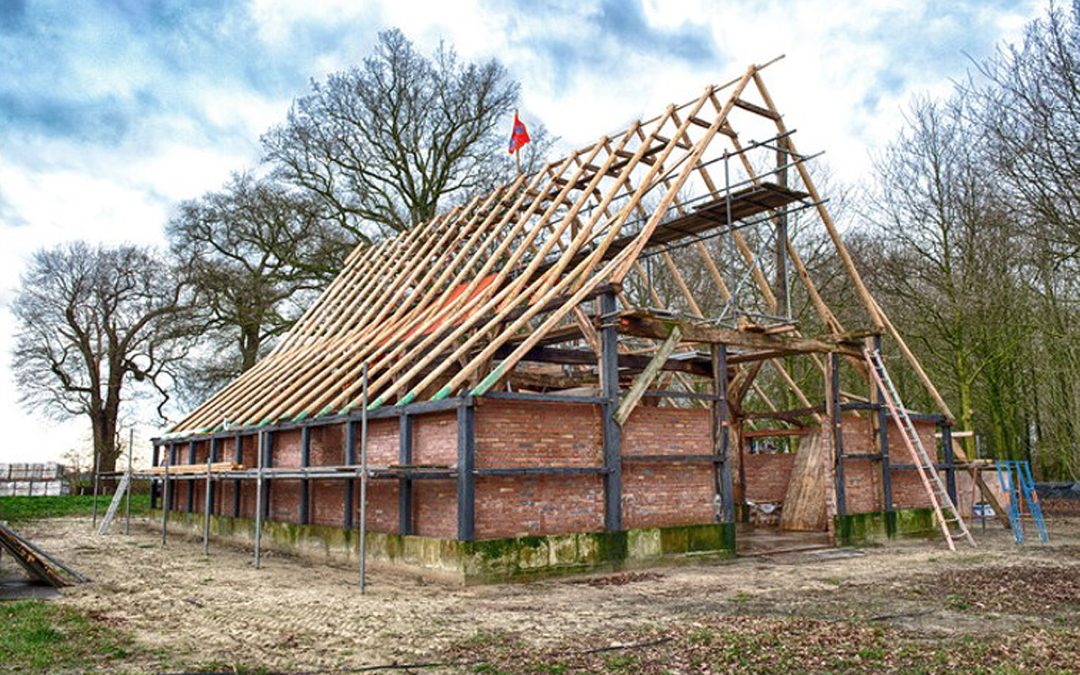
434	439
327	502
530	434
767	476
286	449
382	445
509	506
515	434
524	434
657	494
435	508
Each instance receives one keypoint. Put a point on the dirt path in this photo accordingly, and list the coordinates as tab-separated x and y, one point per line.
294	614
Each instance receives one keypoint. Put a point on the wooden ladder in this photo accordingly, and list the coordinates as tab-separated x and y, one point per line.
944	509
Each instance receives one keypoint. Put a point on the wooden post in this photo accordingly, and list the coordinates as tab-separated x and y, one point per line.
609	386
723	488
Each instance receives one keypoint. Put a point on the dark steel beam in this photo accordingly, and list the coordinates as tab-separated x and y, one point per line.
154	453
268	462
466	464
949	455
190	508
612	432
212	487
837	433
405	454
350	484
305	484
883	443
238	457
541	398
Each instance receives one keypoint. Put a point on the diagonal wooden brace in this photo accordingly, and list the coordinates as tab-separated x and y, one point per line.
645	377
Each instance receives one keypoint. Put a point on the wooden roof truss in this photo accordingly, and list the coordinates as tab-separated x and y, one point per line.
674	215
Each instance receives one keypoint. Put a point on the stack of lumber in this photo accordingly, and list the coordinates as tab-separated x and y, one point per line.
196	468
804	503
38	564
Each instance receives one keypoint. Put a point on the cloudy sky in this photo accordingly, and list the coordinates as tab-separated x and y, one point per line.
111	112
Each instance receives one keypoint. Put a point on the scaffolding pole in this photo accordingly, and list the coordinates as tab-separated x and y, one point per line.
165	495
258	500
206	508
127	495
363	481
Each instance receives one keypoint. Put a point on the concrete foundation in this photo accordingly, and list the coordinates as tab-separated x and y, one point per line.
484	561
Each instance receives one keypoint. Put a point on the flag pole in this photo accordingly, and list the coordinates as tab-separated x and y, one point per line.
517	151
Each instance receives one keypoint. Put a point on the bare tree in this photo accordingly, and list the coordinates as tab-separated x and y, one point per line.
1027	100
385	144
256	252
96	327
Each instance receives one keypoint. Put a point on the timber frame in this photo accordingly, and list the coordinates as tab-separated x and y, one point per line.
657	265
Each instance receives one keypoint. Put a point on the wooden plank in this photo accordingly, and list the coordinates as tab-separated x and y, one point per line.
646	377
804	502
187	469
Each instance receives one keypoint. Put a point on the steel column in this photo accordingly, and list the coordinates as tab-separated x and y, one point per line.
172	501
949	456
405	454
267	462
837	432
466	463
191	484
609	391
883	443
215	452
238	457
305	488
350	484
153	484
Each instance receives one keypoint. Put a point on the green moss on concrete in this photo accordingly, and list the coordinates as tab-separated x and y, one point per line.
483	561
858	529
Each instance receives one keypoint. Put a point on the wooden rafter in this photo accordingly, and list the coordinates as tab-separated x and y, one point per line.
454	304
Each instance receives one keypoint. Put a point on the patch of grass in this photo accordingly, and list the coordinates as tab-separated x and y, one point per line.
621	663
36	635
702	636
22	508
956	601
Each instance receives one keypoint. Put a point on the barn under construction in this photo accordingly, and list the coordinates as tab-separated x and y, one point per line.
618	360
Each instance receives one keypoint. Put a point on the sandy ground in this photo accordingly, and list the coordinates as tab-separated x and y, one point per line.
294	614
